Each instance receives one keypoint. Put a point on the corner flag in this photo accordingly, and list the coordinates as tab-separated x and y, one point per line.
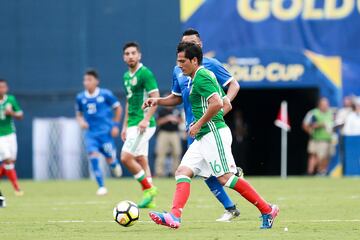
282	120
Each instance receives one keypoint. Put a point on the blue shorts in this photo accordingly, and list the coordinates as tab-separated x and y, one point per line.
100	143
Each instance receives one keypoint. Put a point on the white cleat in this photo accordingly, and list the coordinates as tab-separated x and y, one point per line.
101	191
117	171
2	202
228	215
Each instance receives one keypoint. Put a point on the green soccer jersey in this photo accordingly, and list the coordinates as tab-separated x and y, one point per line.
205	85
6	122
137	87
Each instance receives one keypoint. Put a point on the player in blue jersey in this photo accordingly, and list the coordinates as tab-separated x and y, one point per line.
99	112
180	94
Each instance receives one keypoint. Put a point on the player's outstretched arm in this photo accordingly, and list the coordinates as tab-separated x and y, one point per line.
233	89
170	100
215	104
146	121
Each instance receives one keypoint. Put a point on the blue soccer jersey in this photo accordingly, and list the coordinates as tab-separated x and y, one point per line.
97	109
181	85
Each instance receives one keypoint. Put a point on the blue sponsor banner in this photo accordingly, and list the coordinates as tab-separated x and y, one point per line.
267	68
325	27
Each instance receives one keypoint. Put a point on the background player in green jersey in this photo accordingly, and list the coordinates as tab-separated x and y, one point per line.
139	125
9	110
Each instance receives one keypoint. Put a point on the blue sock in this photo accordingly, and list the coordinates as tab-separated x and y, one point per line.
97	171
114	163
218	190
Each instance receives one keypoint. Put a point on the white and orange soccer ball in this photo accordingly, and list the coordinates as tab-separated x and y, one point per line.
126	213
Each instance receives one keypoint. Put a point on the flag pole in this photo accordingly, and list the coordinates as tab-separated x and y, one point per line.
283	153
282	121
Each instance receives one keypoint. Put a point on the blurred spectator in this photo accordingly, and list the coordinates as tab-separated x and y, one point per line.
352	122
168	140
343	113
239	132
318	123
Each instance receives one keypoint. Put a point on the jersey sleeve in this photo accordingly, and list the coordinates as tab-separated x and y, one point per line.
222	75
78	105
206	87
111	99
150	82
175	89
15	105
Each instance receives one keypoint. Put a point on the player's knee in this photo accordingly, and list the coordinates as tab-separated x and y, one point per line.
182	170
224	178
125	158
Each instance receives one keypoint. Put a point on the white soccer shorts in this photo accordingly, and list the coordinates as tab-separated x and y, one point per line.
211	155
8	147
138	144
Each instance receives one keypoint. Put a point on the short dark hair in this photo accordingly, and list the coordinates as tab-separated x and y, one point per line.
191	31
92	72
2	80
191	51
131	44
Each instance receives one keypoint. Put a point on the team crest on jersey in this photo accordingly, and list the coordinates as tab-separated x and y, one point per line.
100	99
84	101
134	81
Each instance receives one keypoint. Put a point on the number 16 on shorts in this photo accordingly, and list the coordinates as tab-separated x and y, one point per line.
216	168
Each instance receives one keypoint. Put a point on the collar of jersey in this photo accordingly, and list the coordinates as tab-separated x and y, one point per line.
4	99
94	94
132	74
201	67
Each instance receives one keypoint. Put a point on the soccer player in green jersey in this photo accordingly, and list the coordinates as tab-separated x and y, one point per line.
139	125
210	154
9	110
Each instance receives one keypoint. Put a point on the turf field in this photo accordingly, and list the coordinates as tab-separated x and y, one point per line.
311	208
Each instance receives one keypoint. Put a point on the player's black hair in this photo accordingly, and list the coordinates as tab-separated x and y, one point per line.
191	31
131	44
2	80
92	72
191	51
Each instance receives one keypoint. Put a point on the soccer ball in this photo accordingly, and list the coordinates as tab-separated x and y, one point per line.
126	213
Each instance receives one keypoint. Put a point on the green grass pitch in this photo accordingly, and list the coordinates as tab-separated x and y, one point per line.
311	208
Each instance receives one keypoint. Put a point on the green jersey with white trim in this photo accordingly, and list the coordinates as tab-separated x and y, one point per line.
138	86
7	125
205	85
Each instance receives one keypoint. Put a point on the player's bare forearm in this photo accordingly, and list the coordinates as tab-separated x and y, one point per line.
171	100
233	89
18	115
152	109
117	114
227	105
80	119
